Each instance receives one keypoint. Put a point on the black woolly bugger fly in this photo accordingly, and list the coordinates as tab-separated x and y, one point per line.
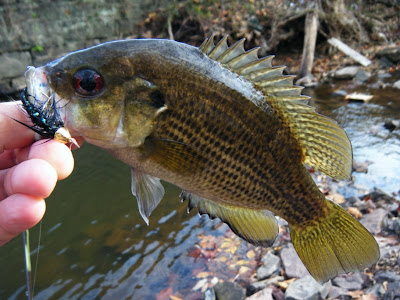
45	118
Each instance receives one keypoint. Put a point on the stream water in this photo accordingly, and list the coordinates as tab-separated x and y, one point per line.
94	243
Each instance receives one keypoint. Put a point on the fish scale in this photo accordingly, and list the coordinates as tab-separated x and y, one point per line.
225	126
253	183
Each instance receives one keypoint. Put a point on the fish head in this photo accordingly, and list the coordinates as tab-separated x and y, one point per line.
100	96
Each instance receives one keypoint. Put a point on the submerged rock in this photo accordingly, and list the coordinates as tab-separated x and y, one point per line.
335	292
292	263
307	288
227	290
271	265
392	124
393	291
349	282
374	220
346	73
265	294
209	294
391	53
389	276
377	290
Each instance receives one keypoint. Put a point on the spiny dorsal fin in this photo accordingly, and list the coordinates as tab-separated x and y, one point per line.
258	227
325	145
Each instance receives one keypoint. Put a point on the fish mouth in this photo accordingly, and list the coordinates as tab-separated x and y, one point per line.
40	92
42	105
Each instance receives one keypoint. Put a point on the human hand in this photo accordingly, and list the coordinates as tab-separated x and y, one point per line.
28	172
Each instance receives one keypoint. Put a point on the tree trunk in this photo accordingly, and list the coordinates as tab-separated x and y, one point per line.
310	38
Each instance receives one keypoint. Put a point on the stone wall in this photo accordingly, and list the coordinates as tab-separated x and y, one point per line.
34	32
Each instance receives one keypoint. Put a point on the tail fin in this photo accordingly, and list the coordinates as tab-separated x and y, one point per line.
334	245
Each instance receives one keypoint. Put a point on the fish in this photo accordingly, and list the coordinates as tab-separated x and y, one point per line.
225	126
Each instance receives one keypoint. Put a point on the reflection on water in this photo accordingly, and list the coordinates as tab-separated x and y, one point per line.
95	244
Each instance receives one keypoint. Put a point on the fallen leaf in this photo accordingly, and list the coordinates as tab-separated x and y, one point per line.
242	262
356	294
199	284
284	284
164	294
203	274
251	254
369	297
339	199
223	259
355	212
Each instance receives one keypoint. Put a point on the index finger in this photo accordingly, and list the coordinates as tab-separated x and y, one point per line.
14	135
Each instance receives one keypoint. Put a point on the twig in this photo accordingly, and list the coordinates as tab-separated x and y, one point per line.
169	24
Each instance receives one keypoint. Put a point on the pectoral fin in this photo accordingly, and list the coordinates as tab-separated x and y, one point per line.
148	191
258	227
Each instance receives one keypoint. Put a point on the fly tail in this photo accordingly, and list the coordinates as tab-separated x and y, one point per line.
336	244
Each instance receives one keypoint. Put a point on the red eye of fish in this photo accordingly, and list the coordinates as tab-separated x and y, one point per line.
88	82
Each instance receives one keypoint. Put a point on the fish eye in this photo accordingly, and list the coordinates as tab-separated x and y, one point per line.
88	82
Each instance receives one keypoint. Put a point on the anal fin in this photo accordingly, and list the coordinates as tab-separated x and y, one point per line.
258	227
148	191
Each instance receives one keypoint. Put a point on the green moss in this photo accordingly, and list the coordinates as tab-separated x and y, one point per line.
37	48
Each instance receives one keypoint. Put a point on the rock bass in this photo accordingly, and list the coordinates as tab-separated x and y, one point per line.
222	124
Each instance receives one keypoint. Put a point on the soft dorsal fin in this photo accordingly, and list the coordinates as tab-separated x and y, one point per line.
325	145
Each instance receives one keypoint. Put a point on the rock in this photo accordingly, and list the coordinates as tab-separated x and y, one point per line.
307	81
335	292
377	290
255	287
391	53
227	290
292	263
362	76
259	285
307	288
374	220
394	207
389	276
271	265
349	282
278	294
265	294
14	64
377	195
385	63
384	75
361	167
392	291
392	124
388	247
209	295
364	205
339	93
346	72
397	84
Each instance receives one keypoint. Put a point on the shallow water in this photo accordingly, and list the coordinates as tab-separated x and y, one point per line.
94	243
